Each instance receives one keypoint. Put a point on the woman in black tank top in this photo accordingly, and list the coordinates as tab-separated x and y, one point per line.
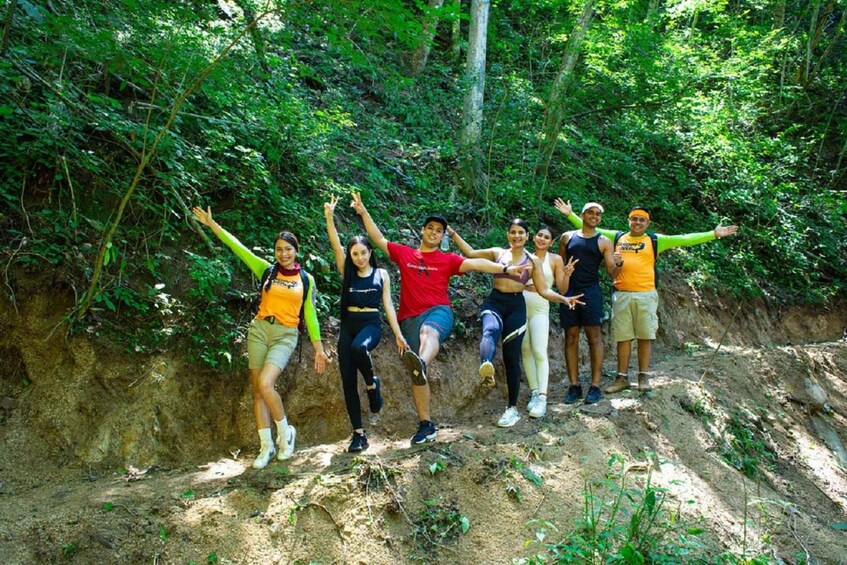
364	288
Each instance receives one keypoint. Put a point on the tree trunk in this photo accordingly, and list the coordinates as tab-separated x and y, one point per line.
471	170
430	24
7	27
556	104
255	36
652	9
810	44
779	15
456	35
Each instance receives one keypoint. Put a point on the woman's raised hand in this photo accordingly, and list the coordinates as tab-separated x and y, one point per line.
357	204
203	216
329	207
570	265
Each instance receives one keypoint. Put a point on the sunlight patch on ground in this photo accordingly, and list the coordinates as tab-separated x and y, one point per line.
220	469
822	467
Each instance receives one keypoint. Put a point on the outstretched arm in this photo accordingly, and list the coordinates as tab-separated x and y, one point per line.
469	251
255	263
390	313
543	290
671	241
373	231
334	240
486	266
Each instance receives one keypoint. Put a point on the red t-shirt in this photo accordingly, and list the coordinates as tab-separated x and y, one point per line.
424	278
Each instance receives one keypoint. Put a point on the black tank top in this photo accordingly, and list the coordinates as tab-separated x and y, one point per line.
366	292
587	250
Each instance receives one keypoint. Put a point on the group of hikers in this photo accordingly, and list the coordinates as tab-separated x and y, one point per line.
516	312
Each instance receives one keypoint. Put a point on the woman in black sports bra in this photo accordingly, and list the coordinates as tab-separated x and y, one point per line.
365	286
504	311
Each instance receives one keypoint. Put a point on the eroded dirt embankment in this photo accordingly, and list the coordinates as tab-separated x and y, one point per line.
100	448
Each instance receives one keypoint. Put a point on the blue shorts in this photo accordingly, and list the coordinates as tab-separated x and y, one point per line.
440	318
591	314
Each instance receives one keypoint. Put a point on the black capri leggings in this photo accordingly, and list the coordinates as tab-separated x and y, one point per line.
504	314
360	334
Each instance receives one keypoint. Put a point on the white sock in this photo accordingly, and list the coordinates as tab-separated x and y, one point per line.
265	437
282	429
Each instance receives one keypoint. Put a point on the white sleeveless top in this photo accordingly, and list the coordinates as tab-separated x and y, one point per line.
547	270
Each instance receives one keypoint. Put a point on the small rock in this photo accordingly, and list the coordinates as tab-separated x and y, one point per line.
815	392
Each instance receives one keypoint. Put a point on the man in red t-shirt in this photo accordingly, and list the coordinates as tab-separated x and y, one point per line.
425	314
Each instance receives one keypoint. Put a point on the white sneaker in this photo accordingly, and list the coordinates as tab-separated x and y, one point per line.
287	448
533	400
486	374
540	408
265	455
509	418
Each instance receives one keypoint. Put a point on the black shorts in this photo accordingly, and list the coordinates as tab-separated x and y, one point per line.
591	314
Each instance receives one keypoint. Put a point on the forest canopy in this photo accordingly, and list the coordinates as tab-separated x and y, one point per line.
116	116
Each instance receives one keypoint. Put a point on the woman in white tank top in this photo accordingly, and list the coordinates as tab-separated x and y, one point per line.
534	346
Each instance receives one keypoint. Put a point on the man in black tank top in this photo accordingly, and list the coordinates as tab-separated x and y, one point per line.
590	249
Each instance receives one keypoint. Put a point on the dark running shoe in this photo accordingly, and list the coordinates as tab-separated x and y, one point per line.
594	395
573	395
375	397
358	443
426	432
415	366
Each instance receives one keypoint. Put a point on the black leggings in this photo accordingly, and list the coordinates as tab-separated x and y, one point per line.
504	314
360	334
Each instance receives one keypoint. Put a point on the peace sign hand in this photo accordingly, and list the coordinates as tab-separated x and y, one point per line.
570	266
329	207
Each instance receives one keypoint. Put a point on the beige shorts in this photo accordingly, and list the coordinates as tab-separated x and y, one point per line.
634	315
270	343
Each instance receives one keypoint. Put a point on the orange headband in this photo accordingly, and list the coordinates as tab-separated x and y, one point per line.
640	214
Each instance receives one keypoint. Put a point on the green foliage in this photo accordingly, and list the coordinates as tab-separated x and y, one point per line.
745	446
438	523
705	112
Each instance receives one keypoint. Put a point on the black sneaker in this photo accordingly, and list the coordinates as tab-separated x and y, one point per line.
426	432
573	395
358	443
593	395
375	397
415	366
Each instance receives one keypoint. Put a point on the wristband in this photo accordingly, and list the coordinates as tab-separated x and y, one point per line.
506	269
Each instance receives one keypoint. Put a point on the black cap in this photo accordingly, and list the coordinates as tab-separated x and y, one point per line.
439	219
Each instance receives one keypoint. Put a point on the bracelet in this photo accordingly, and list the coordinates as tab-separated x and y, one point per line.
505	269
619	265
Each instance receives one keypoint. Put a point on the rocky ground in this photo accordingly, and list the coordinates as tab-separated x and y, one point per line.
108	457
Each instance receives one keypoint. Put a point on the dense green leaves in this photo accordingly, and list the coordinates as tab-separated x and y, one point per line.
705	111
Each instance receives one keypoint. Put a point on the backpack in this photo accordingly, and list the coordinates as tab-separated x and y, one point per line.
655	239
307	286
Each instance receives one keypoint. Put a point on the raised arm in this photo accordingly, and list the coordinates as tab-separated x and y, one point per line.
390	313
255	263
468	251
566	209
373	231
334	240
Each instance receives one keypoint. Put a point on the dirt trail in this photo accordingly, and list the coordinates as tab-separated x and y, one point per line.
106	458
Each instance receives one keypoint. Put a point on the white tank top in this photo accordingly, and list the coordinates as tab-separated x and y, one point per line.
547	270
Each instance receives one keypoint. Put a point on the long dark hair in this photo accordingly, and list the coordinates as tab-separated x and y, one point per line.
287	237
351	271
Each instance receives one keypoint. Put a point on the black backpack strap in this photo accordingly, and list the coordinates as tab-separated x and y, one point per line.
655	239
617	237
